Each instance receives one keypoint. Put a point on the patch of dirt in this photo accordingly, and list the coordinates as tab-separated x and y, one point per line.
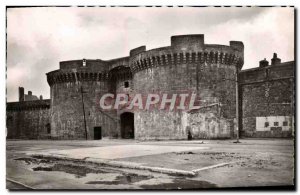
181	184
123	179
250	161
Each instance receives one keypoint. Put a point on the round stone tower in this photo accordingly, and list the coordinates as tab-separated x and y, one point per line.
76	89
189	64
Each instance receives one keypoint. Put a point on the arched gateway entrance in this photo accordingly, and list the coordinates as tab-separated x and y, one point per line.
127	125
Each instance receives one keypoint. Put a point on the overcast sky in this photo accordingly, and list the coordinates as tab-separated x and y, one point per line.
38	38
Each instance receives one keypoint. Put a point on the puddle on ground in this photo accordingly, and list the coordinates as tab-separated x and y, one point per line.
123	179
29	161
180	153
80	171
179	184
77	170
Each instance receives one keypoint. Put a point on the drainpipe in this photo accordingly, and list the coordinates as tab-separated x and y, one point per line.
237	104
85	129
82	102
219	113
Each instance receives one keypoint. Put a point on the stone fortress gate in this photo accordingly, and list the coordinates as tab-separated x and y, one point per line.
189	65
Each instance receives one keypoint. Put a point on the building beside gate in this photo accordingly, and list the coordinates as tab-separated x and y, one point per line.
29	118
267	99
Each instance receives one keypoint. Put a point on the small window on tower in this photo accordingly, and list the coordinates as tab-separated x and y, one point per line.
285	123
266	124
275	124
48	127
126	84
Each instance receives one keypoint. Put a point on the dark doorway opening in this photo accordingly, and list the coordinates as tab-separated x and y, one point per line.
126	84
48	127
127	125
97	133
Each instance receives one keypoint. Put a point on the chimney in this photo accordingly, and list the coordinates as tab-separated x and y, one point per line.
21	94
263	63
41	97
30	93
275	60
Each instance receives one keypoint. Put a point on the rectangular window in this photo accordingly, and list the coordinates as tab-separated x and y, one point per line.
266	124
126	84
275	124
48	127
285	123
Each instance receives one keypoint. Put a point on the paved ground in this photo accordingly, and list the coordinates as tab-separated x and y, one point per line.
251	163
116	152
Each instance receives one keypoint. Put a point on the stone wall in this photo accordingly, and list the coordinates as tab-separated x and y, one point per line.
158	125
67	115
208	123
75	86
186	66
267	101
28	120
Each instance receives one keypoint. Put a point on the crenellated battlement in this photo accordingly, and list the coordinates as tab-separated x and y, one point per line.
169	58
59	76
188	42
28	105
186	49
86	70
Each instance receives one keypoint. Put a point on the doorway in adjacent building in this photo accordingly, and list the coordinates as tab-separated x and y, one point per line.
127	125
97	133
